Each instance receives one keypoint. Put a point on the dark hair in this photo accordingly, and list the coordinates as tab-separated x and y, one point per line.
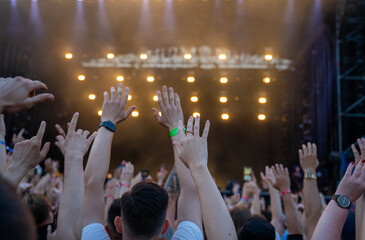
144	209
257	228
239	215
114	211
39	206
16	221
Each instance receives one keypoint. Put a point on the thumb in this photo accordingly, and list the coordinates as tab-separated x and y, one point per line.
44	97
155	113
45	150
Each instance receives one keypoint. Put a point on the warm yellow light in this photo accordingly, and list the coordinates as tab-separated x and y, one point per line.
223	80
188	56
120	78
155	98
223	99
143	56
109	176
129	97
92	96
266	80
191	79
110	55
81	77
150	79
194	99
222	56
68	55
135	114
261	117
262	100
225	116
196	114
100	112
268	57
160	114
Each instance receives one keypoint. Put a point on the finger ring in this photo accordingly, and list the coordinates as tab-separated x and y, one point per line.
189	132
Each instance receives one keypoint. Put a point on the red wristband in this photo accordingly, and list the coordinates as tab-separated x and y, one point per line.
244	199
109	196
125	185
285	192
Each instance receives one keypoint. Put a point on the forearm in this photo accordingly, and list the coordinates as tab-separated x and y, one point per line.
71	208
312	205
330	224
217	220
3	164
171	213
256	208
108	202
292	215
14	174
123	189
360	217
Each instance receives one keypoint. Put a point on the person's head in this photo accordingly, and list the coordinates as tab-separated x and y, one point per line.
257	228
239	215
41	209
113	212
16	221
143	212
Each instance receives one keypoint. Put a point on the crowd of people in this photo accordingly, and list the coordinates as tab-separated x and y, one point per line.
184	203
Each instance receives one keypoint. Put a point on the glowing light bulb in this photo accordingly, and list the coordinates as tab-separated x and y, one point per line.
68	56
150	79
143	56
81	77
196	114
135	114
223	99
262	100
100	112
155	98
268	57
223	80
188	56
92	96
266	80
194	99
261	117
222	56
120	78
110	55
225	116
190	79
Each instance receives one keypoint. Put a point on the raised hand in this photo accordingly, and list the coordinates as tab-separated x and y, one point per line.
61	131
113	107
308	158
19	94
269	176
17	138
361	143
281	174
127	174
76	142
193	149
161	175
249	189
171	112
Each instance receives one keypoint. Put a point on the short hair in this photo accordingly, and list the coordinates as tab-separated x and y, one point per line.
239	215
114	211
16	221
257	228
39	206
144	209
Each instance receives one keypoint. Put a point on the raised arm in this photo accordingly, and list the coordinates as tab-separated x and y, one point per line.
3	163
283	185
27	154
351	187
99	157
73	148
193	151
312	199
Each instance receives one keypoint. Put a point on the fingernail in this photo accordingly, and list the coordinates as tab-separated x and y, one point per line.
363	160
352	163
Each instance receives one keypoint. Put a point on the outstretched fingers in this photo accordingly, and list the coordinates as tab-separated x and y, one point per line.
206	130
41	131
73	123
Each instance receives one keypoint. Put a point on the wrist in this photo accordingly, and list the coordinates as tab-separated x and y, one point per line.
194	166
73	155
309	170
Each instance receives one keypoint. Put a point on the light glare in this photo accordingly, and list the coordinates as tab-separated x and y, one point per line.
120	78
129	97
222	56
92	96
81	77
135	114
194	99
223	99
191	79
262	100
68	55
188	56
155	98
110	55
225	116
268	57
143	56
267	80
261	117
100	112
196	114
150	79
223	80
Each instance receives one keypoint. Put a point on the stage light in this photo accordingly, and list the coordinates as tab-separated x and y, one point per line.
225	116
155	98
266	80
194	99
160	114
92	96
110	55
120	78
223	99
143	56
81	77
223	80
100	112
268	57
129	97
150	78
135	114
222	56
68	55
191	79
188	56
262	100
196	114
261	117
109	175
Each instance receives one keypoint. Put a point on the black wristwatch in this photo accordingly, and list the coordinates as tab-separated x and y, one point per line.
108	125
342	201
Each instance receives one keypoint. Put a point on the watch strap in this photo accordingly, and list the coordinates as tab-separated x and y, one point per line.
310	176
335	198
108	125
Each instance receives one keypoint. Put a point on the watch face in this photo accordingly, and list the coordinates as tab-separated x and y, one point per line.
344	201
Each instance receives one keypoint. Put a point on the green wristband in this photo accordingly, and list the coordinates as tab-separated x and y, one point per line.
175	131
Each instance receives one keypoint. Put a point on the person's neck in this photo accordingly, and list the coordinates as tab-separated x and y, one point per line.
128	237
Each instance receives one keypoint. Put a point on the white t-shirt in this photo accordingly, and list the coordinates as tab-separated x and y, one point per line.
185	231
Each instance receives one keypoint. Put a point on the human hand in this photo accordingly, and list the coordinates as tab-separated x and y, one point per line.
191	148
127	174
113	107
61	131
171	112
161	175
18	137
361	143
249	189
269	176
308	158
282	177
353	185
2	128
110	188
19	94
76	143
